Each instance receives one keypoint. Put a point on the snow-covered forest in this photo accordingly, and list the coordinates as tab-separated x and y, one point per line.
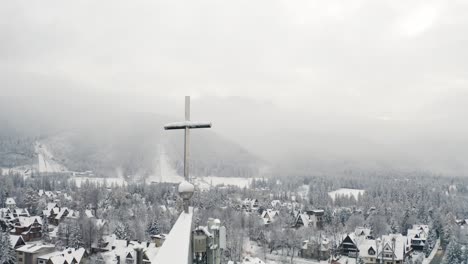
391	204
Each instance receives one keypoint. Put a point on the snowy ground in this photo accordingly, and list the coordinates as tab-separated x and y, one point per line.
21	170
166	173
46	162
107	181
205	183
4	171
346	192
303	191
253	250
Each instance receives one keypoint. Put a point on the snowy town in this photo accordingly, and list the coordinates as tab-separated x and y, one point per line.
50	215
234	132
266	223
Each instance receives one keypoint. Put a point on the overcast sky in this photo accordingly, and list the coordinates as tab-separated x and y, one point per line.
381	60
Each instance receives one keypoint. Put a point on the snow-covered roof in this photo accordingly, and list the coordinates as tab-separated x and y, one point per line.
269	214
366	246
362	231
61	212
123	249
13	213
27	221
51	205
176	248
89	214
67	255
10	201
275	203
14	239
418	232
400	244
32	248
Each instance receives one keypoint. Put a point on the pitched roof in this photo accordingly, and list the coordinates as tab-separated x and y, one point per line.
362	231
269	213
27	221
400	244
32	248
365	245
10	201
15	240
66	256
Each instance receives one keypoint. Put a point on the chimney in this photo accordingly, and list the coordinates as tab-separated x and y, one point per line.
139	256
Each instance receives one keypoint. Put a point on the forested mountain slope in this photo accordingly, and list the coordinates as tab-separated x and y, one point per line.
113	143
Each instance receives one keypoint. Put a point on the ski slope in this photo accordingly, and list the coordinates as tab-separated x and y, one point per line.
46	161
345	192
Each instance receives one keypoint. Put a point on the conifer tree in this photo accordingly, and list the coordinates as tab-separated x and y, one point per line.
76	238
453	253
154	228
122	231
8	254
45	229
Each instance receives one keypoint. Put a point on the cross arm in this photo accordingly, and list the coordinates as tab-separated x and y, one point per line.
187	124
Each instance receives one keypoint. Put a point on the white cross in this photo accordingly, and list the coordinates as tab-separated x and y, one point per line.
187	125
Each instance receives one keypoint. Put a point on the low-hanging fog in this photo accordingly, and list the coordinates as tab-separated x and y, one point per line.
305	86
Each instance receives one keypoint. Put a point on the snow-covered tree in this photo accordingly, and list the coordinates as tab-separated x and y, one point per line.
154	228
31	200
7	252
45	229
63	235
122	231
76	238
453	254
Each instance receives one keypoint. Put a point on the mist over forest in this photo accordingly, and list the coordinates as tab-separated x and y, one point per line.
107	134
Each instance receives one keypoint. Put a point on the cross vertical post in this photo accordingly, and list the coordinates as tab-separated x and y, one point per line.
184	188
187	140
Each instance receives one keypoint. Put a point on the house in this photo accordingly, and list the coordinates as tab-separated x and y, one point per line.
28	254
363	231
250	205
311	218
10	203
269	215
318	249
56	214
276	204
11	215
121	251
317	217
350	244
368	250
388	249
417	236
67	256
29	228
393	249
